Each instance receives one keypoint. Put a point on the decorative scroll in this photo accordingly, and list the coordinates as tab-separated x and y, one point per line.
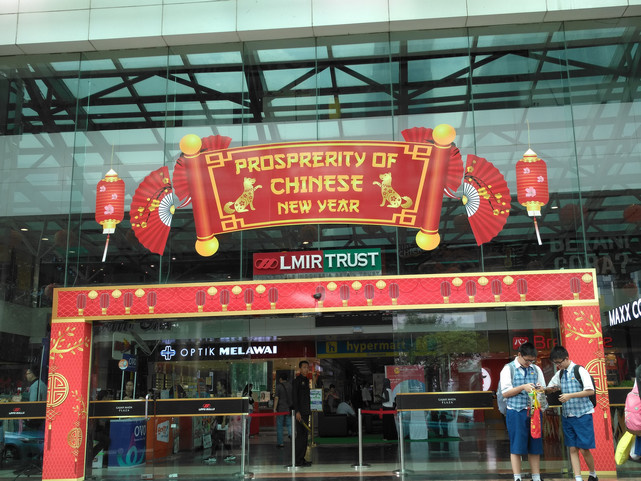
332	182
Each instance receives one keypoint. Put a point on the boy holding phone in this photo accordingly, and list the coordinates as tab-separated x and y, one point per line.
517	382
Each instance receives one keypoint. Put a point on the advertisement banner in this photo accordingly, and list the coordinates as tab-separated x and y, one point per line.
406	378
128	442
329	182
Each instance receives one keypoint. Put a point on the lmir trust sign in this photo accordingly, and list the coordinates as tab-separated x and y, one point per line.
308	262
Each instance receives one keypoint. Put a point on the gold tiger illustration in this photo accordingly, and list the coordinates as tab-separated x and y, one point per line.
390	195
245	199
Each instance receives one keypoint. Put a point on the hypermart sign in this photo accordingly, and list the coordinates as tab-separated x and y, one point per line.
315	262
625	313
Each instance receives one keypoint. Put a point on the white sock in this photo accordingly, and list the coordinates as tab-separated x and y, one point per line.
517	477
593	473
536	477
578	478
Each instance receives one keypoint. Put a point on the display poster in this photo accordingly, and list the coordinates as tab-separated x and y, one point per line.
128	442
316	399
406	378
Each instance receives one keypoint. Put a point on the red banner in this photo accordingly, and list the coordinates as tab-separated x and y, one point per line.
334	182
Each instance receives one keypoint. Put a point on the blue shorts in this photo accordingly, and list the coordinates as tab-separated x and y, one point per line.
518	428
579	431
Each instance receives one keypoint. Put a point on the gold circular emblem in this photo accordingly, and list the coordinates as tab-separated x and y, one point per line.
58	389
596	368
236	290
74	438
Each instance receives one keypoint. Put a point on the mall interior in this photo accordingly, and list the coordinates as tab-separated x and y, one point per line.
89	86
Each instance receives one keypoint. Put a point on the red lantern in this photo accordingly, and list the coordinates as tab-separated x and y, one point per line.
110	204
470	290
344	294
369	293
249	298
128	301
320	294
532	186
497	289
224	298
152	299
521	288
104	303
81	303
201	298
394	292
272	294
446	291
575	287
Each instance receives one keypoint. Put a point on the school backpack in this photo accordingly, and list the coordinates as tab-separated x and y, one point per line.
577	376
501	402
633	411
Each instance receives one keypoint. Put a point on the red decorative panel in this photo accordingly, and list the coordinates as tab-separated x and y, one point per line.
338	294
582	337
67	401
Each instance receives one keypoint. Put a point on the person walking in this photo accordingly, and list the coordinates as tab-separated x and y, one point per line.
282	403
519	378
576	410
302	408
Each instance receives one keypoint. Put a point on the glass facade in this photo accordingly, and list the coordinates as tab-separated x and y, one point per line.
569	91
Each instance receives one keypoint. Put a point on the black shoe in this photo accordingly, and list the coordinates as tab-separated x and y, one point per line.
593	478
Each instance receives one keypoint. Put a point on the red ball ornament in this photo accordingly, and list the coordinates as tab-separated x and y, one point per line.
632	214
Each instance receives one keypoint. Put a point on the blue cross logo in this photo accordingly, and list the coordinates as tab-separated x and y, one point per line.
167	353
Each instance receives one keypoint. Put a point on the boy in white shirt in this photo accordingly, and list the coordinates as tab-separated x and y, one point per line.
576	410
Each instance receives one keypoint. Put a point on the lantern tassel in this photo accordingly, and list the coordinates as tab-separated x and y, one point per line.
536	228
104	254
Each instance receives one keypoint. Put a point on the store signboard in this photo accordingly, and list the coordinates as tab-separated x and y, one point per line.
361	348
177	351
22	410
280	264
630	311
444	401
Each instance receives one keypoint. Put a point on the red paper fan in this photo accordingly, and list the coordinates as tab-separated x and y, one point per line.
180	183
152	209
486	197
454	172
179	179
215	142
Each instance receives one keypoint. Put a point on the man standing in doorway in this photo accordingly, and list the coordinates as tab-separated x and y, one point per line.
282	403
302	407
37	388
576	409
518	379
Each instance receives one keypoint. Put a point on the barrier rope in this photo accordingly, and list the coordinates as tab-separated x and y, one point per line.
381	412
265	415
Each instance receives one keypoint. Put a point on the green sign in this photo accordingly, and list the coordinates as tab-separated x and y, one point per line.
343	260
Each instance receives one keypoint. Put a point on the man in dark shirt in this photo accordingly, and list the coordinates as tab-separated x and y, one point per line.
302	406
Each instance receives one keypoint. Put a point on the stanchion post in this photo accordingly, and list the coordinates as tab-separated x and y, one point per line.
360	464
401	450
293	466
244	438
